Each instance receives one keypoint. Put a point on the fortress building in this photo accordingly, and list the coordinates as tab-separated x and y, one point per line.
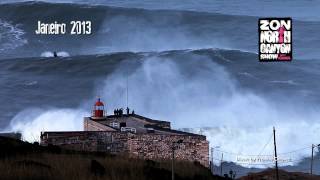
132	134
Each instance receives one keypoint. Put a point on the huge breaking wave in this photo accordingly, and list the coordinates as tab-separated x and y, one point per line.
192	88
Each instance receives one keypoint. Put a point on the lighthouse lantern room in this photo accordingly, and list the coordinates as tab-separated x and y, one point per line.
98	111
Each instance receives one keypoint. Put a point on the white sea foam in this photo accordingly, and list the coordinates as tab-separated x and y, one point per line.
31	122
31	83
11	36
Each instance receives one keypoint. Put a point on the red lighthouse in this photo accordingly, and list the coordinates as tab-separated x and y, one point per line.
98	111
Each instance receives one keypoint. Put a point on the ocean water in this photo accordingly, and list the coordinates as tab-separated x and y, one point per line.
298	9
121	29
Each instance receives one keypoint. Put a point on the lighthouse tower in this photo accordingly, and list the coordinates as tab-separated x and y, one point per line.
98	111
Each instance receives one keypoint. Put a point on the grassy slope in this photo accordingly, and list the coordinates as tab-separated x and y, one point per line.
20	160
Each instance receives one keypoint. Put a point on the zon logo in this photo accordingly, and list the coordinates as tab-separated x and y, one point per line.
275	39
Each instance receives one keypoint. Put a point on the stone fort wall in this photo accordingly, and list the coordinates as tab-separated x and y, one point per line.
112	142
155	146
146	146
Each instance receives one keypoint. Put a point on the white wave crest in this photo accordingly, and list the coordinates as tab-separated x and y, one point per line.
290	82
59	54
